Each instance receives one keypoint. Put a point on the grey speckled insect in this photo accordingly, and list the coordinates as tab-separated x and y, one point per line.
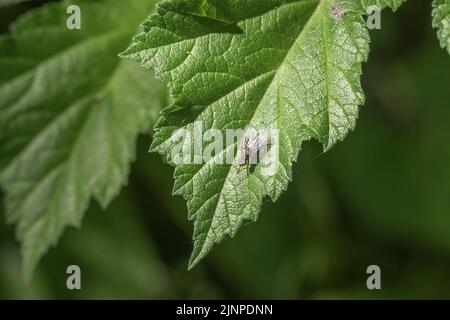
253	142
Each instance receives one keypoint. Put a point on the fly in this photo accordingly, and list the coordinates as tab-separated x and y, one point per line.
253	143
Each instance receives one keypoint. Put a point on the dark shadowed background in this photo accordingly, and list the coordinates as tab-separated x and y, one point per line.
380	197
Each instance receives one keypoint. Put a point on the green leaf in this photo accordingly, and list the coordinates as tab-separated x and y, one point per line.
69	116
441	21
290	65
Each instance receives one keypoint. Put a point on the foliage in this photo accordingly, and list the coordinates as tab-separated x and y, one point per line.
70	113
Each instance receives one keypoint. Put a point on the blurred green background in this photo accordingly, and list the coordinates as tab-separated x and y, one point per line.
380	197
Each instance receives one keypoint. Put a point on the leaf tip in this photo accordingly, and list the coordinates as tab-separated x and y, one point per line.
202	246
28	266
193	261
125	54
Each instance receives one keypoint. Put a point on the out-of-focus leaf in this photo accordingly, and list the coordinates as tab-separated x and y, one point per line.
70	112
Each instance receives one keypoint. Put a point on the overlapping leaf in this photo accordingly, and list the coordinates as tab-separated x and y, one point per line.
70	112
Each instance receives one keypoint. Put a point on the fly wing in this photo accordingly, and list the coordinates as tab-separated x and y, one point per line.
260	142
257	142
253	142
243	151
